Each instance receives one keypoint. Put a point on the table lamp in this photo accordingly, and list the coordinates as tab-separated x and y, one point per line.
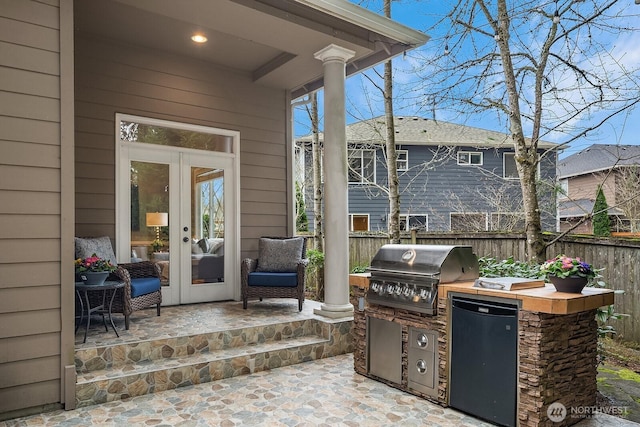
157	220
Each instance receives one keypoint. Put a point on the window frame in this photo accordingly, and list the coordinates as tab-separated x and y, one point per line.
563	185
492	215
352	216
513	155
363	179
486	220
404	161
471	154
406	218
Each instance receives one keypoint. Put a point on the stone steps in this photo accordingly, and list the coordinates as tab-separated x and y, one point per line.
110	373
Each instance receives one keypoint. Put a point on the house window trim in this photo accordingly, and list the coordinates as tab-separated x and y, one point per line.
406	219
363	179
491	218
471	155
352	215
405	161
486	220
504	164
563	186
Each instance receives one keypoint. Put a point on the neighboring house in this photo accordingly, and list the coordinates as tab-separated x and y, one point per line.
614	167
109	111
452	177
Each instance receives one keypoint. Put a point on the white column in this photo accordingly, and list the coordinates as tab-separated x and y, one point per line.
336	208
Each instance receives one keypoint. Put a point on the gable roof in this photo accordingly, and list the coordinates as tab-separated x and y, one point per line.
598	157
412	130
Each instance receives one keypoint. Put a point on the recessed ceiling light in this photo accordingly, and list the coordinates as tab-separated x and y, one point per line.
199	38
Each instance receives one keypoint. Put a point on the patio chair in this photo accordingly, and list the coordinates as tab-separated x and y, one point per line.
141	279
278	272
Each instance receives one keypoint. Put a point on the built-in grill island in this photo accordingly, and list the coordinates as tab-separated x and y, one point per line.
405	329
406	278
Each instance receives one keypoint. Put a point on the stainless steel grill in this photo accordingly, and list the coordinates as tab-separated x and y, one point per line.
407	276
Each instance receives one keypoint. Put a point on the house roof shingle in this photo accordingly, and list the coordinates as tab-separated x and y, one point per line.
411	130
598	157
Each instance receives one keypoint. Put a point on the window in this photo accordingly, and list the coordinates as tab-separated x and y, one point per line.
410	222
358	222
469	158
509	166
564	189
468	221
402	160
362	166
507	221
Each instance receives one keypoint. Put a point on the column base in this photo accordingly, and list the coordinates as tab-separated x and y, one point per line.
334	311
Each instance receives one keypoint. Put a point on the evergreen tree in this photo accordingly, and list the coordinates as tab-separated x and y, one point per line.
601	223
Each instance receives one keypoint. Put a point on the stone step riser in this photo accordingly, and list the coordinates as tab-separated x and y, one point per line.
101	358
112	389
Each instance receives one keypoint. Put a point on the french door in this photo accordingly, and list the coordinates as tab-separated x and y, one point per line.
178	206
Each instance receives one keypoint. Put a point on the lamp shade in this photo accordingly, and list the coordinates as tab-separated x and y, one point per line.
157	219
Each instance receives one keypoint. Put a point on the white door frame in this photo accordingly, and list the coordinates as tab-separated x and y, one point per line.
161	153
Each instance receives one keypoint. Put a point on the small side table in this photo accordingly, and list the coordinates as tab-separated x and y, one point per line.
108	287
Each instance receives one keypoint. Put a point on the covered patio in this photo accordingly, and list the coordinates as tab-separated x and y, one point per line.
75	71
318	392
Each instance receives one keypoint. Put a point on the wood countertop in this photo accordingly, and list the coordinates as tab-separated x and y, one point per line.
542	300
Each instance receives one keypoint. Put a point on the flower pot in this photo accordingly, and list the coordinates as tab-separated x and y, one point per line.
571	284
94	277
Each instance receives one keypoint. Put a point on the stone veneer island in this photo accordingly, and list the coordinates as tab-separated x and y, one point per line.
557	344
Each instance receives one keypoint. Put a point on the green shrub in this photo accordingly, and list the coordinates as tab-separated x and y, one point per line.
491	267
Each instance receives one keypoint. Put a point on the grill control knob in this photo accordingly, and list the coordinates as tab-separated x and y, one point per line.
422	340
421	366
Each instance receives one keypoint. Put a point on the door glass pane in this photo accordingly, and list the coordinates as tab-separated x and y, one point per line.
207	223
150	215
160	135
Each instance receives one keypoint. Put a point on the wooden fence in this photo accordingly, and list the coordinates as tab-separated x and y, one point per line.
620	259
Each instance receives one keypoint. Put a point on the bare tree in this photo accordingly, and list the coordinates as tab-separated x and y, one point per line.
540	67
317	174
628	195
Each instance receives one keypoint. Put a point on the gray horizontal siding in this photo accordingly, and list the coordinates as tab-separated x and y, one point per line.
443	187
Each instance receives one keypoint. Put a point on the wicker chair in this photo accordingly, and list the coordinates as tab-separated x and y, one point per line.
274	284
142	287
126	304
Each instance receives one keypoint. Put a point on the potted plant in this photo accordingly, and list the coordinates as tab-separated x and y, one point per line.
568	274
93	270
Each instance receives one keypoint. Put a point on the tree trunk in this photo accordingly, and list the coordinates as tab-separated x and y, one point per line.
317	178
526	157
390	146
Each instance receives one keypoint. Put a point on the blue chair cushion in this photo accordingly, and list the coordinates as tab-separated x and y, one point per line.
280	280
144	285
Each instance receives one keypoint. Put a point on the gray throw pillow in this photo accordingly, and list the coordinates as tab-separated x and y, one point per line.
279	255
101	246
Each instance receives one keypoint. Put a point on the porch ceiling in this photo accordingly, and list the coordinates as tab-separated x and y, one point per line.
272	41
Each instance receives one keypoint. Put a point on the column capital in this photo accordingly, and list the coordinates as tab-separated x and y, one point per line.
334	52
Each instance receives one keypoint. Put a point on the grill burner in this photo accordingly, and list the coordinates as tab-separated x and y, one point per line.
407	276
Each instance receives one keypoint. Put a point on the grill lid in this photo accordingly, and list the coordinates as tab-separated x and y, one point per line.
444	263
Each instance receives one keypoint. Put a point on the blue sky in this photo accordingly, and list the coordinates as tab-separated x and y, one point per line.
364	102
